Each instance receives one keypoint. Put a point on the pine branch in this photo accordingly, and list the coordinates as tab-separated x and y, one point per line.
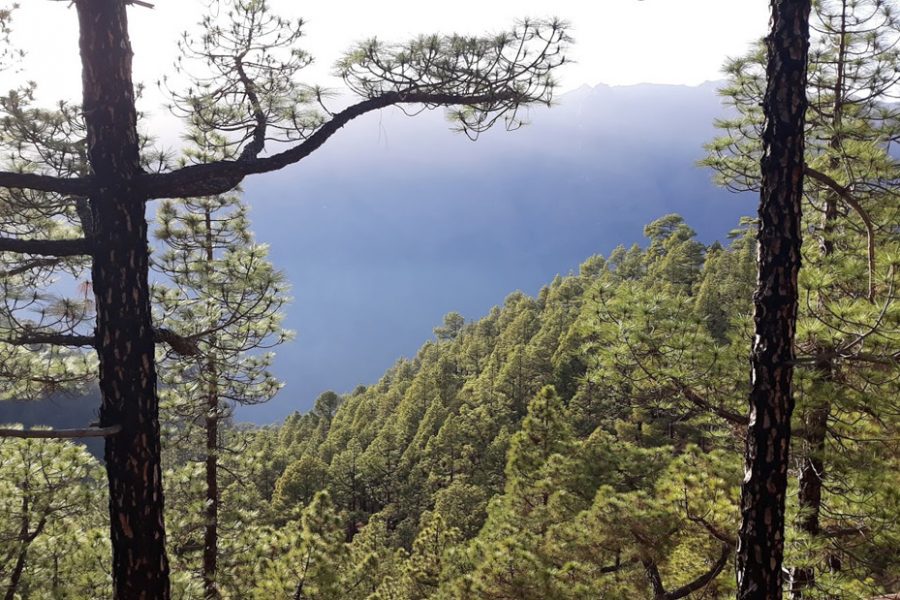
617	566
730	416
180	344
703	580
659	591
722	536
846	195
841	532
87	432
28	266
222	176
57	248
77	186
54	339
258	140
697	400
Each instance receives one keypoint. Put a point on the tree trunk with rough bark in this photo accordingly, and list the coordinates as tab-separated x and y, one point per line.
760	551
211	533
124	332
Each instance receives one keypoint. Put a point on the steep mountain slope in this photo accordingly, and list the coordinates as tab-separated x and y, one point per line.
397	221
585	442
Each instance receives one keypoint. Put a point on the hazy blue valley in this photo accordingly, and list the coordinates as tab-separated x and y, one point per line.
379	238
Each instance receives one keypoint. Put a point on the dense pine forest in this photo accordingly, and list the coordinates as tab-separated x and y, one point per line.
583	443
592	441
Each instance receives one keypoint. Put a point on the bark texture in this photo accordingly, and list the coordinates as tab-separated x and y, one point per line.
211	533
124	333
760	551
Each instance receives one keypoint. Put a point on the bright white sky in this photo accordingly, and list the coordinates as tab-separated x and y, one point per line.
618	42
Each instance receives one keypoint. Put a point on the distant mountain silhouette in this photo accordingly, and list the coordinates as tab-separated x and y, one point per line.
396	221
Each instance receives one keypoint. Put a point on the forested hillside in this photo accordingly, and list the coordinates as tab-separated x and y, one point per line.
473	221
675	413
583	443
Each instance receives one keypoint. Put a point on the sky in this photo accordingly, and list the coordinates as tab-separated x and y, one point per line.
618	42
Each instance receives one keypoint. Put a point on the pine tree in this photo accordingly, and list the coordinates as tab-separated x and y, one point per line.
674	256
45	485
761	540
255	100
510	558
221	293
299	483
851	123
42	297
421	573
308	564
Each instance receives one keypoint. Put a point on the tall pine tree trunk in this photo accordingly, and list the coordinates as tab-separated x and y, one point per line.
16	575
761	541
211	533
25	539
125	341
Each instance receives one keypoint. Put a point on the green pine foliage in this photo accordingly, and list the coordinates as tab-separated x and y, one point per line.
583	443
53	534
220	292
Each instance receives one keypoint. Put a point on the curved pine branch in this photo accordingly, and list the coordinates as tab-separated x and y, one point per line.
221	176
78	186
852	202
703	580
57	248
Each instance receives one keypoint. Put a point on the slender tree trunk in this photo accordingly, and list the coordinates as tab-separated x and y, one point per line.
761	541
809	498
16	574
25	539
55	580
125	343
653	576
211	534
